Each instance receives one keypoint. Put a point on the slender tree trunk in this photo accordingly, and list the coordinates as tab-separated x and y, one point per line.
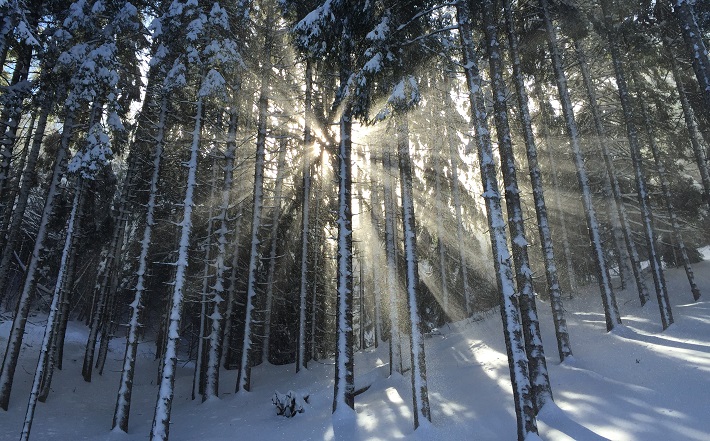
510	314
392	278
562	336
125	390
344	386
361	268
420	394
14	341
213	356
375	254
161	419
613	182
271	272
693	131
440	246
18	213
44	354
693	36
635	150
227	346
611	310
539	377
244	377
301	362
667	196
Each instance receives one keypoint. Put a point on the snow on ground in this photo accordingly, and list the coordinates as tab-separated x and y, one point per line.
634	384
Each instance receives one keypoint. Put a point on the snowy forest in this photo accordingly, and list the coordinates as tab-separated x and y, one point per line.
206	202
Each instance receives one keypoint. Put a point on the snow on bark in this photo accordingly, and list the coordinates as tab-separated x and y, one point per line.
392	278
510	315
693	36
639	175
611	310
562	335
14	341
125	389
611	177
161	418
420	393
51	317
344	385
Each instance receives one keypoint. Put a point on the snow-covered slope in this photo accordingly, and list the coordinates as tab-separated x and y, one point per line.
635	384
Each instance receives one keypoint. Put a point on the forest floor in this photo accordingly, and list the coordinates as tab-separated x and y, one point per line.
634	384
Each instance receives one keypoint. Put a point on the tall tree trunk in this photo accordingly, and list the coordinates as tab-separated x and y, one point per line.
44	354
244	377
667	196
693	36
510	314
539	377
611	310
125	390
374	248
635	150
693	131
392	277
14	341
273	248
213	356
420	394
562	335
613	182
344	386
161	419
440	246
18	212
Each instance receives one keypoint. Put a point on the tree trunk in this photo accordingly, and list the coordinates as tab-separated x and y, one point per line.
693	36
420	394
510	315
613	182
563	344
44	354
635	150
14	341
539	377
392	277
161	419
611	310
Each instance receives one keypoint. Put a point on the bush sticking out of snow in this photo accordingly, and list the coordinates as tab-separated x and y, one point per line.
289	404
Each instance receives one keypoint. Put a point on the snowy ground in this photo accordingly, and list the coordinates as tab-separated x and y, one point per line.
635	384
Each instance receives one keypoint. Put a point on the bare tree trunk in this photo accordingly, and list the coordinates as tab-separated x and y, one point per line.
44	355
161	419
392	277
611	310
635	150
510	314
14	341
613	182
562	335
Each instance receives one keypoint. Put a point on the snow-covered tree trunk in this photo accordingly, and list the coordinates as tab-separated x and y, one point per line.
244	377
693	36
456	194
392	278
611	177
301	362
50	328
198	378
361	269
639	175
14	341
420	393
667	196
692	125
539	377
213	355
562	335
273	248
611	310
344	385
227	346
510	315
161	419
440	246
26	183
125	389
